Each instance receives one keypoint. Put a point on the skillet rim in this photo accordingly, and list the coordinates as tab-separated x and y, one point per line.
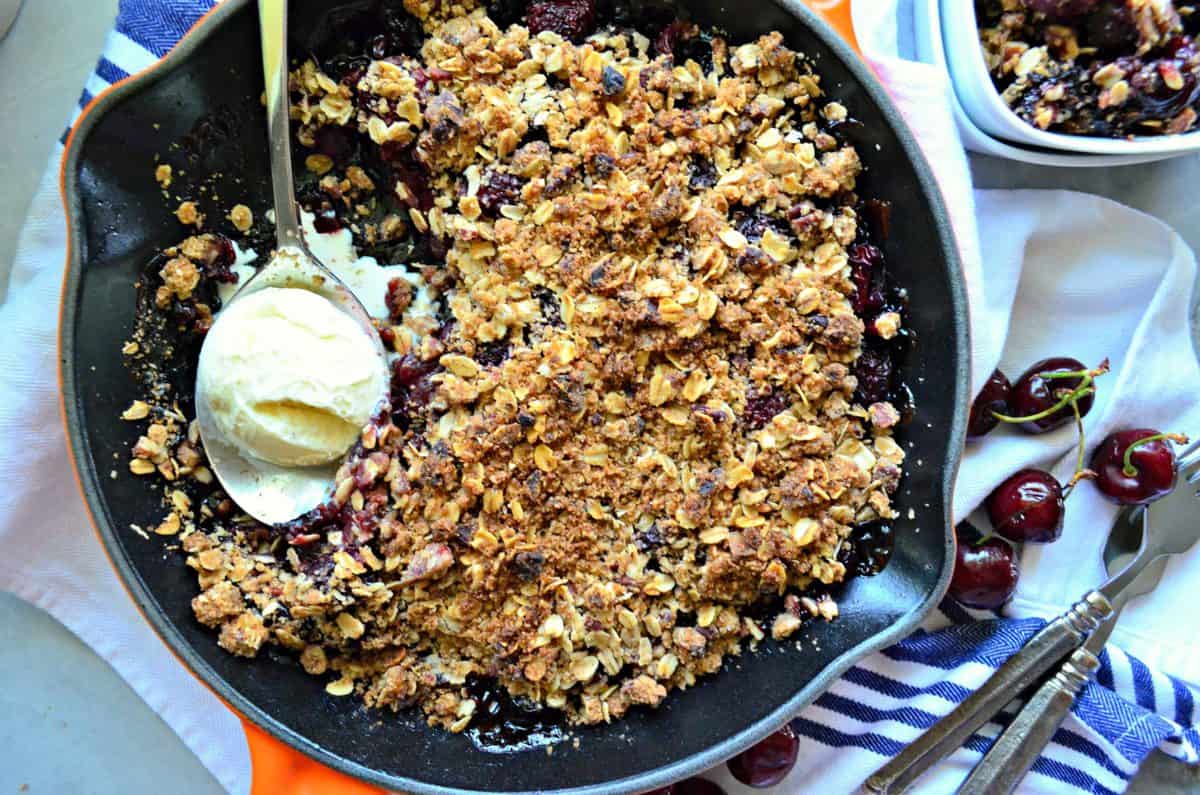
88	478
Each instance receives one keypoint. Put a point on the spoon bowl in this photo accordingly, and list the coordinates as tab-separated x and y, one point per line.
268	492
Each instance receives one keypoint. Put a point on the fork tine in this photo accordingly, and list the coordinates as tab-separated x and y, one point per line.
1189	458
1190	454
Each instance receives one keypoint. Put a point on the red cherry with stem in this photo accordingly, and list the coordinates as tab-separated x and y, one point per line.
767	763
1027	507
985	572
1137	466
991	400
1041	399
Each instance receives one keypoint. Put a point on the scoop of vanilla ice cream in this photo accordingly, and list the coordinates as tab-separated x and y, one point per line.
289	378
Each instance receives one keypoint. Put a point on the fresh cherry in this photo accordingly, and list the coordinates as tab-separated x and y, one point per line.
689	786
698	786
992	398
1027	507
1135	467
1041	398
767	763
985	573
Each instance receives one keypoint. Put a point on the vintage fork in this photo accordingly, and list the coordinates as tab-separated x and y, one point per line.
1020	744
1176	533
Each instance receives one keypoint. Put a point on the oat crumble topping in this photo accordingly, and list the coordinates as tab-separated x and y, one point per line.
637	413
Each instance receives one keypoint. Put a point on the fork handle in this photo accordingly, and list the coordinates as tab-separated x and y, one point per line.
1048	647
1015	751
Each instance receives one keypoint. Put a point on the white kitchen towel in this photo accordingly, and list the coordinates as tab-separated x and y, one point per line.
1109	293
1068	274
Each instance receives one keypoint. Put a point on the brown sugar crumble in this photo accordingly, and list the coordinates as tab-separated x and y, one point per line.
637	414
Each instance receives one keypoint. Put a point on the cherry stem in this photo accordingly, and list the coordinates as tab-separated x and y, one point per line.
1079	426
1078	475
1083	390
1129	469
988	536
1083	474
1099	370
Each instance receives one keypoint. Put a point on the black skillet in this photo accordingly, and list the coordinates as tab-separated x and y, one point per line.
200	107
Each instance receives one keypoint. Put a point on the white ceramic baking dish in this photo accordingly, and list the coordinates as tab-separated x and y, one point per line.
987	111
931	49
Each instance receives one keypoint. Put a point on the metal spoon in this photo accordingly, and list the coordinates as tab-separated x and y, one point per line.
1016	750
270	493
1049	646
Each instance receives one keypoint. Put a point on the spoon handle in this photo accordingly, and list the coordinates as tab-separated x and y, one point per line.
1018	747
272	18
1048	647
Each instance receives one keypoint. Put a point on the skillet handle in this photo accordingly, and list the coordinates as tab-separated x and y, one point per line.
277	768
836	14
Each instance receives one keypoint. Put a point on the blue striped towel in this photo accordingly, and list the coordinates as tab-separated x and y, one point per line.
886	700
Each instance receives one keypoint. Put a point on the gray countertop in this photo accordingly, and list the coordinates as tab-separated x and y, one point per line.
68	723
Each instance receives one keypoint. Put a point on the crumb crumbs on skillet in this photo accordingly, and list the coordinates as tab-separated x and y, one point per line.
637	414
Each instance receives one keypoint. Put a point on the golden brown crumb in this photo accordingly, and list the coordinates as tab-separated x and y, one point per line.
162	175
138	410
169	526
218	603
313	660
189	214
243	635
180	276
359	179
318	164
241	217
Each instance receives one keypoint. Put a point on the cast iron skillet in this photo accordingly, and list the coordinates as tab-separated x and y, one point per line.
118	220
